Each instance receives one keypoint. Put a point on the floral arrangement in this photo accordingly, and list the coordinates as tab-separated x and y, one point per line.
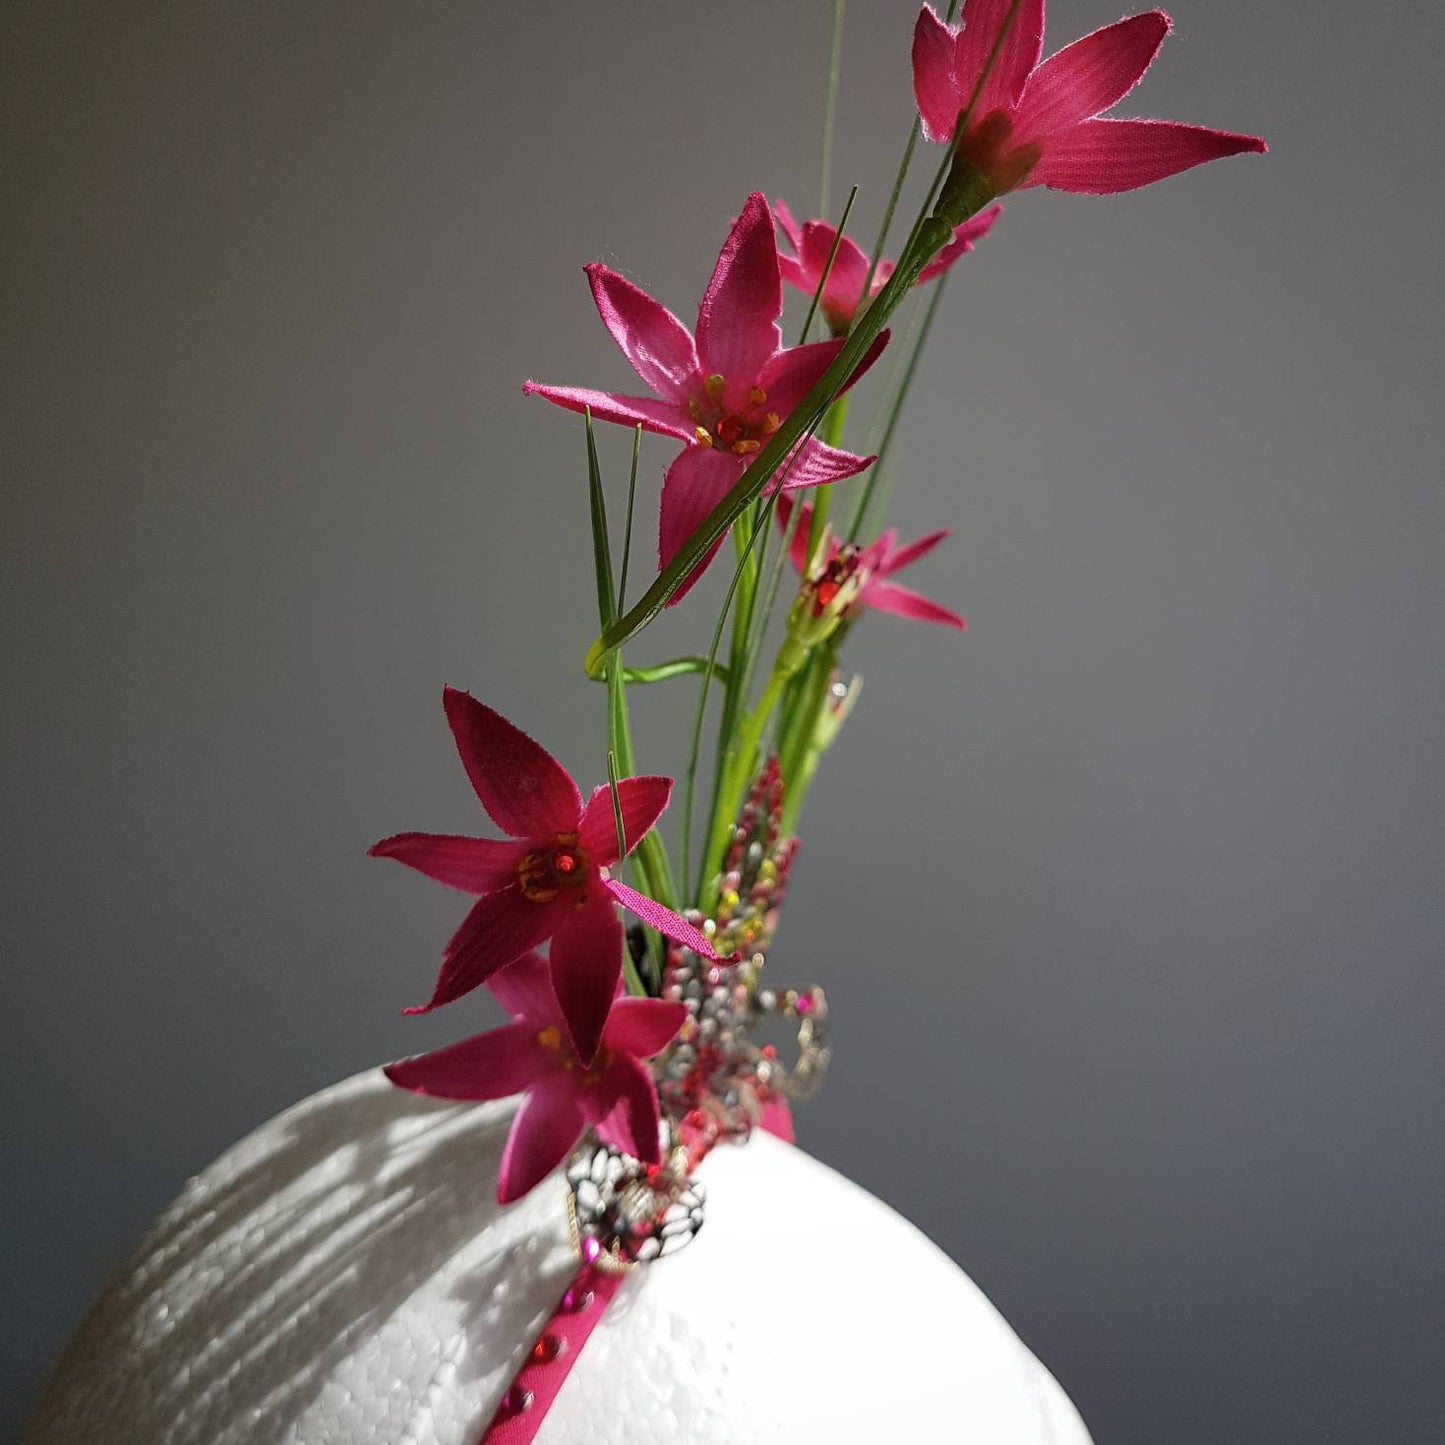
636	1031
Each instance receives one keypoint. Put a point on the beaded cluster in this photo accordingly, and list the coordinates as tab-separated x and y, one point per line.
718	1080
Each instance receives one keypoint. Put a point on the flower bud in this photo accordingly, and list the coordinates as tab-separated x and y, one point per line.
825	597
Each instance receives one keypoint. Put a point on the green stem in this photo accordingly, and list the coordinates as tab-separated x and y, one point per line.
689	790
630	977
735	689
797	774
833	425
795	719
674	667
742	756
804	773
651	853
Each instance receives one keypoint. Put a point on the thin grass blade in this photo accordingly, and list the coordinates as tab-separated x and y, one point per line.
627	528
601	545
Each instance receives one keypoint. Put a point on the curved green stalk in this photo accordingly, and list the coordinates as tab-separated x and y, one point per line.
673	667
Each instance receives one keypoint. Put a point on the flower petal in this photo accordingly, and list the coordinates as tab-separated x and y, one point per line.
1090	75
664	920
798	547
524	989
737	323
657	344
878	347
665	418
872	559
965	237
815	462
788	377
1100	157
906	556
546	1127
524	789
793	269
586	964
817	245
622	1107
475	865
849	273
501	927
695	483
643	1026
486	1066
983	22
795	273
934	88
788	225
641	800
889	597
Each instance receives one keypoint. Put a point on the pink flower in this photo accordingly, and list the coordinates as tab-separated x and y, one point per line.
864	569
724	393
813	244
548	879
1039	125
562	1092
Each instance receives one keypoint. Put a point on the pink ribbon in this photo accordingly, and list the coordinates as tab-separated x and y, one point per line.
549	1361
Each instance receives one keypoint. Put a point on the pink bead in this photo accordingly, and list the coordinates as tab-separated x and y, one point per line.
591	1250
517	1400
547	1349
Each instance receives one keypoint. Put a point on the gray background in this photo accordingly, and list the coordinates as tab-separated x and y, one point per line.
1128	901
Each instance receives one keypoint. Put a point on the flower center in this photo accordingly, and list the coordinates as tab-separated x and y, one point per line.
601	1062
742	428
988	147
543	873
844	571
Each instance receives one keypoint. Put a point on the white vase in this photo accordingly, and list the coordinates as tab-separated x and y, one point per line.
345	1275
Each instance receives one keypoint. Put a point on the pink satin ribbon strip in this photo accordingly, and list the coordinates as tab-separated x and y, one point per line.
547	1364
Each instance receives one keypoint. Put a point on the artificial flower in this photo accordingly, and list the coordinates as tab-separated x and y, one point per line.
858	576
813	241
1035	124
563	1091
549	879
725	391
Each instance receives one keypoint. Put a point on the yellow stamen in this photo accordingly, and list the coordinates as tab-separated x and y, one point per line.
757	396
703	436
550	1037
747	448
714	387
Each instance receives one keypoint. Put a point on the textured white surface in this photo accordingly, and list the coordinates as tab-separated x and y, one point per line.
344	1275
